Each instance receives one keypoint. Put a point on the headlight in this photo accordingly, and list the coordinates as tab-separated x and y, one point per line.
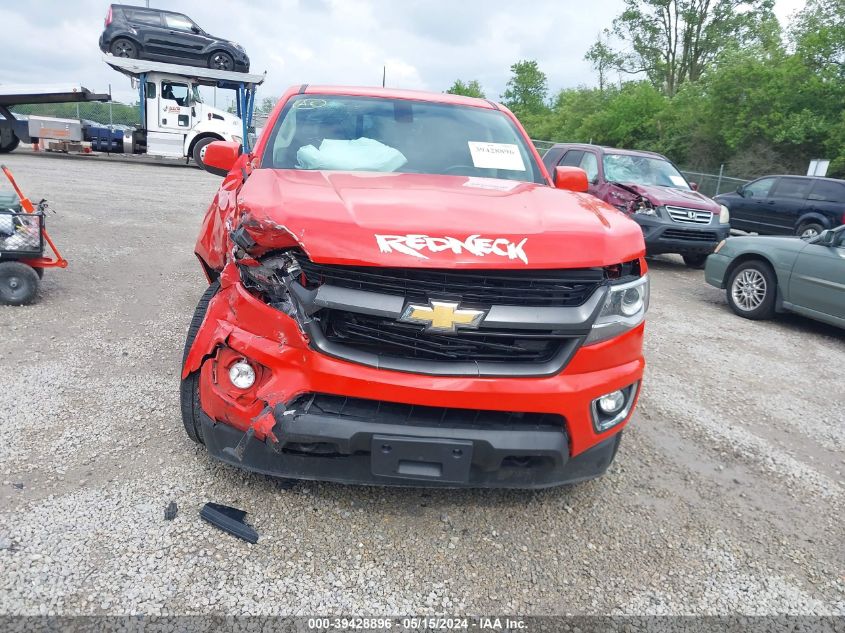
624	309
724	214
644	210
719	246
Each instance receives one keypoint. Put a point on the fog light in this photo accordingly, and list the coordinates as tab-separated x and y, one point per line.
242	375
612	402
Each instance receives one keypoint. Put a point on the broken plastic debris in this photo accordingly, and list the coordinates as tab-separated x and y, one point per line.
170	511
229	520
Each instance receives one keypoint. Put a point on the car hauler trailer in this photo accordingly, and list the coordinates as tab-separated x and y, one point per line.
14	130
174	120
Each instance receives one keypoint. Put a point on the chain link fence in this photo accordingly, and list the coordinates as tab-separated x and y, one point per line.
708	184
107	114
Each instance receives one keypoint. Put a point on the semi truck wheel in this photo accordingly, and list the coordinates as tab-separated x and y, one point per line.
189	389
122	47
8	140
198	153
18	283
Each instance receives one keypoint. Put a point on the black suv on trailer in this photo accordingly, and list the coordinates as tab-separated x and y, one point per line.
674	216
787	205
166	36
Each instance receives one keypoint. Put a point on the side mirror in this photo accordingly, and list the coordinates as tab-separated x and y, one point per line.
196	29
826	238
693	186
221	156
741	190
571	179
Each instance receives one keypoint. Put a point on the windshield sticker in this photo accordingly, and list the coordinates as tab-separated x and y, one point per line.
496	156
678	181
491	183
474	244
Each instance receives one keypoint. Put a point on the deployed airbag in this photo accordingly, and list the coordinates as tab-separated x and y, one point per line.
362	154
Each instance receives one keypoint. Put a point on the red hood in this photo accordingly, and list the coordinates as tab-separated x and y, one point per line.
660	196
426	221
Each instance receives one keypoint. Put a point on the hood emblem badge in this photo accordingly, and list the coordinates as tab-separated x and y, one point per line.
443	317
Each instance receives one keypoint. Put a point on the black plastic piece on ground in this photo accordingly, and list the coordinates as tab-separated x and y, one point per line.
170	511
229	520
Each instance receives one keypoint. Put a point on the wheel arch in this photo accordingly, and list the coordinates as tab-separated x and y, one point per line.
199	137
813	217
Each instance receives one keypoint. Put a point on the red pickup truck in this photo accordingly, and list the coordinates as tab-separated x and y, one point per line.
401	294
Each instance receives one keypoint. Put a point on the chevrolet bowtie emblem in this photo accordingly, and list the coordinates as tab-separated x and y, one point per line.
442	316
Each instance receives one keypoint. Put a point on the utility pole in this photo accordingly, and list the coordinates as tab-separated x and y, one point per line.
383	75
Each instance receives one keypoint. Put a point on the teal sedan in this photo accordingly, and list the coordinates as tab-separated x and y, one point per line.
765	275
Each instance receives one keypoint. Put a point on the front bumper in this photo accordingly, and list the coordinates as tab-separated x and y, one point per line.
666	236
239	325
715	269
363	461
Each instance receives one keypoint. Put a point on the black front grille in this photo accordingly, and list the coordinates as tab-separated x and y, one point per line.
570	287
380	411
690	236
388	337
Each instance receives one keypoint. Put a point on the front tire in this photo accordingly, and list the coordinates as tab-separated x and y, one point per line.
123	47
198	153
189	388
18	283
751	290
695	260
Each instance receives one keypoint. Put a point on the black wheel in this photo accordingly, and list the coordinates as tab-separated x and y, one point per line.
220	60
8	140
18	283
809	229
189	389
751	290
199	151
122	47
695	260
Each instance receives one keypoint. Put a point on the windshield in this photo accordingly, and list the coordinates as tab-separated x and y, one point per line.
642	170
397	135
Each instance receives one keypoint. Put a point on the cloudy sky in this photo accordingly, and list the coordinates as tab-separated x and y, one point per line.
425	44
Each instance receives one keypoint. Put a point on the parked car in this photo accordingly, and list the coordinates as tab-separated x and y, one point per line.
787	205
401	294
674	217
166	36
765	275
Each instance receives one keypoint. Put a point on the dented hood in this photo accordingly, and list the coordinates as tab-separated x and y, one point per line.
660	196
416	220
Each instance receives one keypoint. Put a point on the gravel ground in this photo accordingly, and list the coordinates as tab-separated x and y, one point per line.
726	497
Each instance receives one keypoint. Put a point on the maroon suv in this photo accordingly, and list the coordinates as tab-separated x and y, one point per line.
674	217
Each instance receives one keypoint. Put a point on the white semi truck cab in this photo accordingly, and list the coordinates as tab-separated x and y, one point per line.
175	120
178	123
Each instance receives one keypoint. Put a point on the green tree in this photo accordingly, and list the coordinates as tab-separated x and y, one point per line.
603	58
267	105
468	89
673	41
526	90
